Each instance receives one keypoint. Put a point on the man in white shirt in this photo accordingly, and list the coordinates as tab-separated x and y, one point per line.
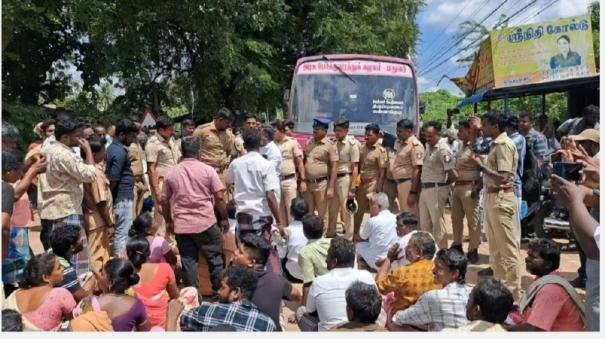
255	193
379	233
407	224
326	305
295	239
269	149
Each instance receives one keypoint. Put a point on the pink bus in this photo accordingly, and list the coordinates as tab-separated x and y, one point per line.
361	88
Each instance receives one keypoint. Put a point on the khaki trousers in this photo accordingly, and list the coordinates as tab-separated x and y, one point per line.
159	224
403	192
288	193
98	243
432	213
463	205
501	210
337	205
140	194
390	189
363	195
315	196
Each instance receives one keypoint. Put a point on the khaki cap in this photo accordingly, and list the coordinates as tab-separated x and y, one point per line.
587	134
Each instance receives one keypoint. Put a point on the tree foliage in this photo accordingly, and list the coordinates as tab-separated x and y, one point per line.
181	56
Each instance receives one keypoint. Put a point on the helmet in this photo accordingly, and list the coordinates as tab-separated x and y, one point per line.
351	206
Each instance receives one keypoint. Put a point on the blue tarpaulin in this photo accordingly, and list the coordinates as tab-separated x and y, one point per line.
471	100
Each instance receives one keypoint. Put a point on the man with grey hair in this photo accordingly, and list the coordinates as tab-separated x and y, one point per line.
379	233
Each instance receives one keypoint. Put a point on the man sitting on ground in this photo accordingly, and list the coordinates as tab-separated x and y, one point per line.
379	233
326	305
408	282
234	308
439	309
550	303
407	225
488	305
363	308
295	240
253	253
312	257
65	242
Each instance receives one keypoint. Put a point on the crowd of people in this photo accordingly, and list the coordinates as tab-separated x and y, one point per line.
143	230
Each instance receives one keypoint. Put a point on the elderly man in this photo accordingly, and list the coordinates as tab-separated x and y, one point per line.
408	282
379	233
443	308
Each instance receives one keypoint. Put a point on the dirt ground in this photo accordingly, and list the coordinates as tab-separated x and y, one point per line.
570	262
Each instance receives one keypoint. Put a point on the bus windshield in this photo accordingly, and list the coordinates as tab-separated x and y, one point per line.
361	91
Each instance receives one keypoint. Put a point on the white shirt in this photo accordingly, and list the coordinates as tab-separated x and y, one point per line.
402	260
252	176
296	241
597	236
327	295
273	154
381	235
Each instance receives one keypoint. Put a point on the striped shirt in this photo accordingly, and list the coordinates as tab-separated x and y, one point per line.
536	141
438	309
241	315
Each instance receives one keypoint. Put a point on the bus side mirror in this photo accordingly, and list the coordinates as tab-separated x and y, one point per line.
421	108
286	95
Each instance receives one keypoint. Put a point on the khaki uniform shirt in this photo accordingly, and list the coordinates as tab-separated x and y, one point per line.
410	153
502	157
318	156
60	189
437	161
372	160
135	154
217	146
99	191
290	150
162	152
348	153
465	165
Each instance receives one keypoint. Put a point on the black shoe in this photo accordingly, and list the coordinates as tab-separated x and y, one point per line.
473	257
578	283
457	247
486	272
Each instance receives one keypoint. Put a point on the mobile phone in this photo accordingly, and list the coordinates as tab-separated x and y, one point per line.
568	171
555	157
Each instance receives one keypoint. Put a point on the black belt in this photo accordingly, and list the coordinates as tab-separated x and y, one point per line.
340	175
400	181
288	176
434	184
316	180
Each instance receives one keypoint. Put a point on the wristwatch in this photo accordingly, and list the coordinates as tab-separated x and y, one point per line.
596	193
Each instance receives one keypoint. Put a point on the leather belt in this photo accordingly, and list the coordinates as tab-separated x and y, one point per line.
340	175
317	180
465	182
498	189
434	184
288	176
401	181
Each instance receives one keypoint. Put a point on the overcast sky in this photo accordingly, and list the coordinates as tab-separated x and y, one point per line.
439	22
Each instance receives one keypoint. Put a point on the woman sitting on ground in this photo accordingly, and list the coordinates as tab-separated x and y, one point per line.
157	285
127	313
160	250
42	305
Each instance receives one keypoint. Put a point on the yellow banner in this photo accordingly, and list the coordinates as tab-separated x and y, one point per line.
541	52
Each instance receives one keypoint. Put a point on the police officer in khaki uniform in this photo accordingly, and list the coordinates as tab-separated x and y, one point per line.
348	168
501	205
407	166
217	143
437	175
372	170
137	156
389	186
321	162
465	196
162	155
292	162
